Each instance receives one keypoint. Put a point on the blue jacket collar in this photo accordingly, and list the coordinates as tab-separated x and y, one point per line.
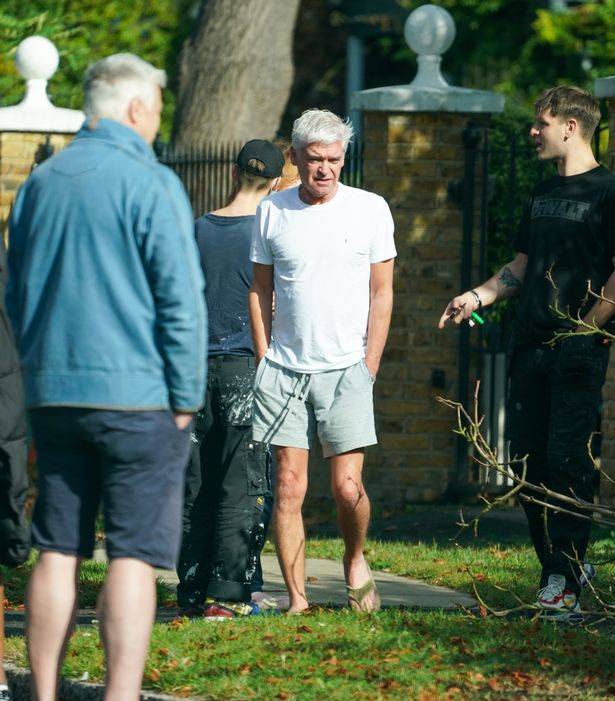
110	130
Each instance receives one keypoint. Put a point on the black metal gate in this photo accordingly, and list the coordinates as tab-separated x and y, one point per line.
500	171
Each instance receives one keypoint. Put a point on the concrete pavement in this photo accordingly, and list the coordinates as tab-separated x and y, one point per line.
326	586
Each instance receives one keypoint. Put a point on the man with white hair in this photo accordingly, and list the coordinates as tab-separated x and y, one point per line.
106	298
327	250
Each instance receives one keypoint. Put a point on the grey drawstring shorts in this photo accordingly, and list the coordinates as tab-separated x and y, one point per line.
290	407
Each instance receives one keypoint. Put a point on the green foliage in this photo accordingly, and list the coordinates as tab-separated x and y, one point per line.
565	47
86	30
512	46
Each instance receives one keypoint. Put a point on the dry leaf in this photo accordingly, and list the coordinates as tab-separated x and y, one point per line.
153	675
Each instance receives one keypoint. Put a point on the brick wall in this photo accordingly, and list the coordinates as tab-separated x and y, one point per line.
17	153
410	159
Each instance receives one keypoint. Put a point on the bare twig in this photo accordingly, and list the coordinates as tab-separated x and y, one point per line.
469	426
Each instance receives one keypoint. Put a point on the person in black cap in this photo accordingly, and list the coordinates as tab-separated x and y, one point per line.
228	478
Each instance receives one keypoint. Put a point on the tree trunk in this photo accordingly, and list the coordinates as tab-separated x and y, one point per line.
236	71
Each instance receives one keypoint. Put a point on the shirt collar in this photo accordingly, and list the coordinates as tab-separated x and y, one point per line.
110	130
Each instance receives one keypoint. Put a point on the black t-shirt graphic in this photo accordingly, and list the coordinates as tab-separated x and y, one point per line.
567	227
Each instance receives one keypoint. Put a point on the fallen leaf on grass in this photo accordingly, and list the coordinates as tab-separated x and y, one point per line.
178	623
164	651
304	629
153	675
244	669
522	680
544	662
389	684
428	695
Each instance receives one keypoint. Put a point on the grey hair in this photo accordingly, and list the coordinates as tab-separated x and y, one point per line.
316	126
110	85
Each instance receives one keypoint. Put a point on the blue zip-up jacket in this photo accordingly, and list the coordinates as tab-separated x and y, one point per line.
105	288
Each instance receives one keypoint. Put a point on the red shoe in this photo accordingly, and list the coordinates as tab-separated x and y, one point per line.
229	609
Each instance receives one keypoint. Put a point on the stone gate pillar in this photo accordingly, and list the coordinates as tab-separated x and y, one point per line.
413	136
605	88
33	128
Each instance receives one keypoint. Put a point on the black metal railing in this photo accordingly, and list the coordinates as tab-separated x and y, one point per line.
206	170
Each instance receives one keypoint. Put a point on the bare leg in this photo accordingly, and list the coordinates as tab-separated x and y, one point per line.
353	512
291	486
128	608
51	605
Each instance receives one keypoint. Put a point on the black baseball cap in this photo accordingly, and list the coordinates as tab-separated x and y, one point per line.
264	151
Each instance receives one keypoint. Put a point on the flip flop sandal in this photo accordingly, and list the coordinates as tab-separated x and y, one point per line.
357	597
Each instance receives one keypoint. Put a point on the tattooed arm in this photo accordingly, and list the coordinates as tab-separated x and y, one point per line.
505	283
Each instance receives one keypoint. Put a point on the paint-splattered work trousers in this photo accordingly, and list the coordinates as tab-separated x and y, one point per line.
227	484
553	407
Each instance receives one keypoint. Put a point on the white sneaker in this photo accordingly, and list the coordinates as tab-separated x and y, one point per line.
556	600
588	572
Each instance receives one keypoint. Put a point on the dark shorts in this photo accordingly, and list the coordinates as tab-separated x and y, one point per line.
130	462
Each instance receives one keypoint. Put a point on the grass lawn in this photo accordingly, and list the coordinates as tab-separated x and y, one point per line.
392	655
92	577
341	655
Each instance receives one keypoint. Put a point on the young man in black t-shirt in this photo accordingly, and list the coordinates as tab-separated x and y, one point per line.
228	480
566	238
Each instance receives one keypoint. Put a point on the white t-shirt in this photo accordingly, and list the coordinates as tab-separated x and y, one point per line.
321	256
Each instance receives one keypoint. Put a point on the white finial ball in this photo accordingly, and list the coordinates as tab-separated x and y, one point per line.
429	30
37	57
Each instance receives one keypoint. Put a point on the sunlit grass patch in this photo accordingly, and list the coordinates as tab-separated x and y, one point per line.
338	655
